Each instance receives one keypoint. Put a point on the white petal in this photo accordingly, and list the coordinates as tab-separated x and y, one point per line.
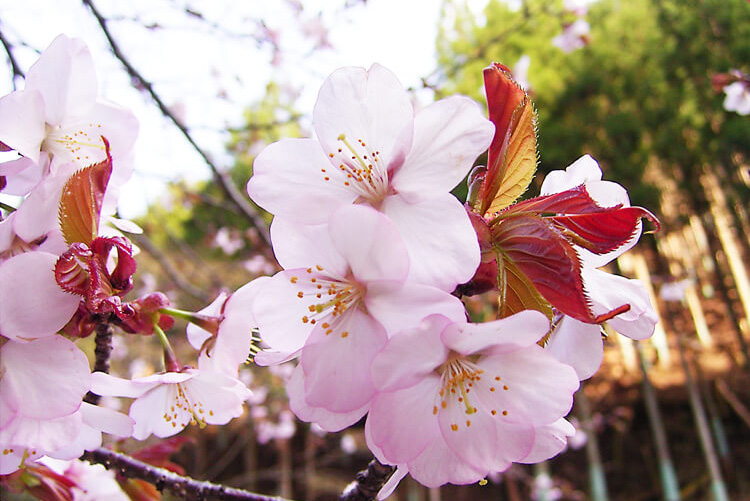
298	245
287	181
31	303
448	136
22	123
507	334
371	106
578	345
439	237
45	378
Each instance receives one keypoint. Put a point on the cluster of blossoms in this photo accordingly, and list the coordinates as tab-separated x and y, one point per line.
376	253
65	269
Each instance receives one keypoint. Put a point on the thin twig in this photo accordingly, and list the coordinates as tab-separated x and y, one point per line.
17	71
221	176
183	487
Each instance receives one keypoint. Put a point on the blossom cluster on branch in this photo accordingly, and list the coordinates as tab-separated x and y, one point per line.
376	252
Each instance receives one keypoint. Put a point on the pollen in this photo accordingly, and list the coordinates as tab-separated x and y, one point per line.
454	427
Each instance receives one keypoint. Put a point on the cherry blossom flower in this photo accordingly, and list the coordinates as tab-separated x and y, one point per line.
166	403
372	149
230	341
457	401
58	115
572	341
343	292
574	36
738	97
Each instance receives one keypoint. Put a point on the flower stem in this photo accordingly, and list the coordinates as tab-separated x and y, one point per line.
206	322
171	364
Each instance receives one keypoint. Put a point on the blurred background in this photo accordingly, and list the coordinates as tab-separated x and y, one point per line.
656	90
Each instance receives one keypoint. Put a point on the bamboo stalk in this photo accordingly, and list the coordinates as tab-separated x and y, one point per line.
669	485
597	478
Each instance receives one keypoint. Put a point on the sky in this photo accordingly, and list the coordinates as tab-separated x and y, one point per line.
208	75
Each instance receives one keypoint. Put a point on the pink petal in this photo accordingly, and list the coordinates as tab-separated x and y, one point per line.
410	355
371	106
336	365
22	122
578	345
402	423
197	336
438	465
31	303
540	389
65	76
369	243
300	245
550	441
21	175
107	384
522	329
44	434
609	291
402	306
448	136
279	312
287	181
439	237
329	421
38	214
45	378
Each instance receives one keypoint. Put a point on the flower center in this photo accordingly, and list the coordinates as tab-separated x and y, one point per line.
329	297
81	145
360	169
185	408
464	383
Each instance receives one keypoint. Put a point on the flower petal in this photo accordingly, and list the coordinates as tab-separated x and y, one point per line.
371	106
507	334
550	440
329	421
410	355
402	423
302	245
402	306
448	136
336	364
31	303
439	237
578	345
287	181
369	243
45	378
22	122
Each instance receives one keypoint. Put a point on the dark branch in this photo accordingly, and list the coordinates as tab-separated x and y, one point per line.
17	71
368	482
183	487
102	351
221	176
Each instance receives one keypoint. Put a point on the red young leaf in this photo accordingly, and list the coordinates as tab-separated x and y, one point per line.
598	229
512	155
518	293
81	201
547	260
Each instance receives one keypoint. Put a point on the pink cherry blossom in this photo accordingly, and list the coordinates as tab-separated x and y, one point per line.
574	36
457	401
372	149
343	292
738	96
58	115
232	343
166	403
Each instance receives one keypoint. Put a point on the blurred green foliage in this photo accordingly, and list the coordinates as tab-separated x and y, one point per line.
639	93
